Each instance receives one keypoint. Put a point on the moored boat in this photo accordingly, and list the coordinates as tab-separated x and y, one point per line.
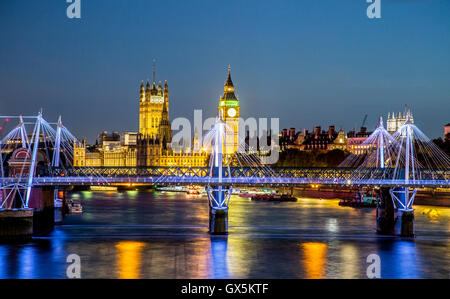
103	188
360	200
74	207
193	190
274	197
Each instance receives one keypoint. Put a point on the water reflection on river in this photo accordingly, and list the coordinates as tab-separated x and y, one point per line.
164	235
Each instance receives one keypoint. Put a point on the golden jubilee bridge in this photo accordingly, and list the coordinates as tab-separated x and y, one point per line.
398	164
244	176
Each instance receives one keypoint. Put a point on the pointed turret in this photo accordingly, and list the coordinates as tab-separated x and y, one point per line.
165	130
147	90
408	118
166	88
154	90
166	97
229	86
228	94
142	92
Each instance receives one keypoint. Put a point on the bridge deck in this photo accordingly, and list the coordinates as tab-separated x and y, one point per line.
239	176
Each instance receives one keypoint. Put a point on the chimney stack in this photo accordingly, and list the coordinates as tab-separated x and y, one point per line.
292	134
317	132
330	132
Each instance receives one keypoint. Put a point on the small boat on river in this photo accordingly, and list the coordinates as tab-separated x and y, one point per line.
274	197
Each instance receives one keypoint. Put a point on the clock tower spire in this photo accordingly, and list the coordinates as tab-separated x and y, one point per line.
229	109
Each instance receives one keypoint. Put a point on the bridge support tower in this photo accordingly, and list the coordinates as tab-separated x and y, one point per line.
218	213
219	192
404	197
395	215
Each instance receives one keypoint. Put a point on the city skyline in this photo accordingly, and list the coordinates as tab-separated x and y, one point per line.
298	61
224	147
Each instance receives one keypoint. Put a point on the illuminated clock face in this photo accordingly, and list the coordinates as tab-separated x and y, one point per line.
231	112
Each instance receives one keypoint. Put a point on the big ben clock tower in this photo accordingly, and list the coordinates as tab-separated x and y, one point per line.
229	109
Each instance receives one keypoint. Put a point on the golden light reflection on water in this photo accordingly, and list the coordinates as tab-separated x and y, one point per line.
129	259
314	259
132	194
349	261
239	257
439	216
433	213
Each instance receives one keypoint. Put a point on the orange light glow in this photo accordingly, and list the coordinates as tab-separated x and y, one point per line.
129	259
314	259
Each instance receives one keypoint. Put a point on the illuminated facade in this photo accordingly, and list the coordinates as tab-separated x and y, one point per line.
111	152
395	122
151	152
340	142
318	140
229	110
154	112
447	132
355	141
152	145
155	132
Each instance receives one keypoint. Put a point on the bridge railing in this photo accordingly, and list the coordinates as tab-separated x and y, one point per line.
338	173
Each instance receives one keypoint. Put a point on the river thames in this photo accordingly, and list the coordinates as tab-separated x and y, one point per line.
137	234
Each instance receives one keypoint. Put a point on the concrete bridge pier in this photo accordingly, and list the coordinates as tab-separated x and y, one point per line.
392	220
405	224
16	222
219	197
218	221
42	203
386	213
16	225
405	214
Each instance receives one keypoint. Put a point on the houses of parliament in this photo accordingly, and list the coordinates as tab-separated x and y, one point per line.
151	146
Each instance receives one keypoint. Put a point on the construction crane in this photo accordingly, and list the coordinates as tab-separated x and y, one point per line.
364	121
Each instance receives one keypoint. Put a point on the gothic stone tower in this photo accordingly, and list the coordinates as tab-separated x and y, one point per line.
395	122
229	109
154	112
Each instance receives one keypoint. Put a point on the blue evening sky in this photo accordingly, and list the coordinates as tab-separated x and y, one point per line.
308	62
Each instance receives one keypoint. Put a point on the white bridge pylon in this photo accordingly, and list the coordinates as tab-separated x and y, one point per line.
379	150
219	194
56	143
408	154
415	152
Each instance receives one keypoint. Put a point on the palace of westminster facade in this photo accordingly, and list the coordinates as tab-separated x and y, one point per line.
151	146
